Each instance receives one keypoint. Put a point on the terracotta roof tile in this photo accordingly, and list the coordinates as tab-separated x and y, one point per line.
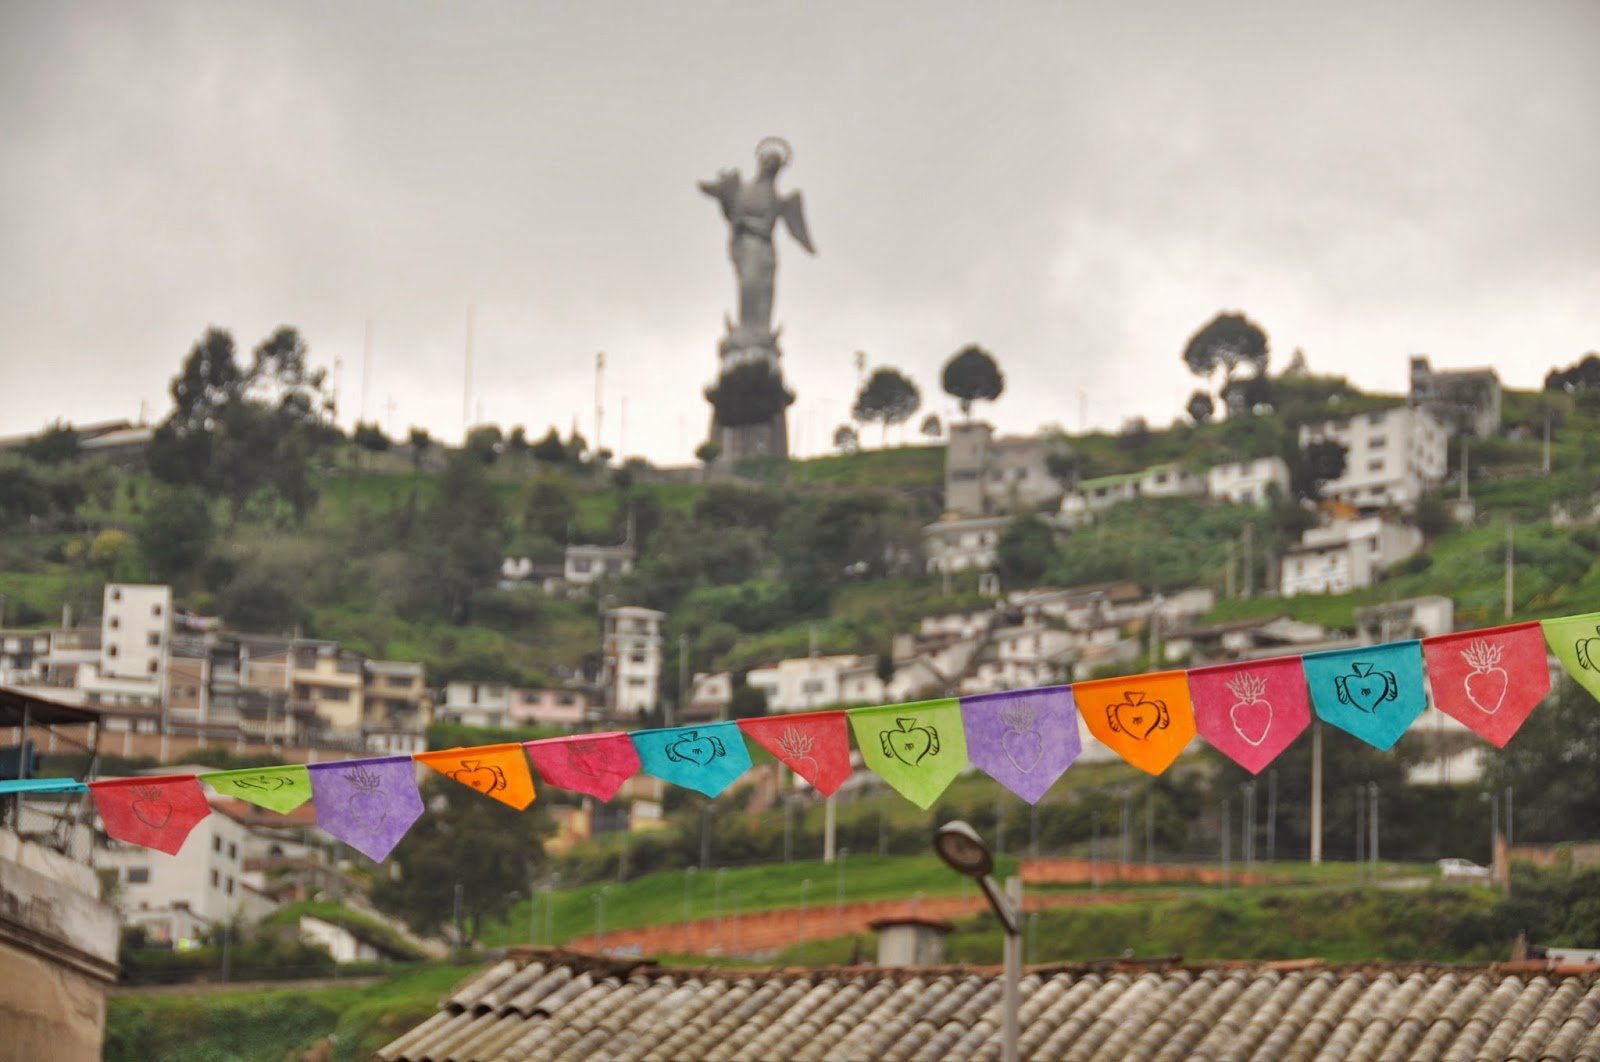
561	1006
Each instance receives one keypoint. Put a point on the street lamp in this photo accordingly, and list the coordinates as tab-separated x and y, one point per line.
959	845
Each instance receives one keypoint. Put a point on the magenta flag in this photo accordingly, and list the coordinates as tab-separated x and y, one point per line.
1251	712
367	804
594	764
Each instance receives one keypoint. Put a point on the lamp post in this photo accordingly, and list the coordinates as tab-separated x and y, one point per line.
600	918
838	886
959	845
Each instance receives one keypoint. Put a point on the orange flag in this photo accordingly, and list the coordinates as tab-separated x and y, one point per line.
499	771
1145	719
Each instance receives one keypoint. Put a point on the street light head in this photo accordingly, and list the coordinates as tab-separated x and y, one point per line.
959	845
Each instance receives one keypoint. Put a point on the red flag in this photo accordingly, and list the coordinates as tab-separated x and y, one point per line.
595	764
1490	679
155	812
814	745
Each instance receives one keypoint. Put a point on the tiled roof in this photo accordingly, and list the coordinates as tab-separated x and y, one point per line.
555	1005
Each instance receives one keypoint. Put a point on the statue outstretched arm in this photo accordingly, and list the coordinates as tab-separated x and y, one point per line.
723	190
792	210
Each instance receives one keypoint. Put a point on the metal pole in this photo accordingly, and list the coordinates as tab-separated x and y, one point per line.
1361	825
227	949
999	825
533	918
1272	815
1494	830
688	880
706	814
883	830
838	886
1227	835
1011	1031
1372	824
1511	567
1033	831
716	907
1510	832
456	917
1150	824
1094	854
683	676
1126	854
828	828
1316	792
788	828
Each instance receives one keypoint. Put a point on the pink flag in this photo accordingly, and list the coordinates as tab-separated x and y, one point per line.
1251	712
595	764
155	812
1490	679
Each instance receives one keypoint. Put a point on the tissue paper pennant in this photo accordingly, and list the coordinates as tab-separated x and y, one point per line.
157	812
814	745
367	804
1250	712
1025	739
917	748
706	758
1373	692
596	765
498	771
280	789
1490	679
1576	642
1146	719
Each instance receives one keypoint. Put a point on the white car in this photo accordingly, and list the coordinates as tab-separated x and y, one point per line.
1462	870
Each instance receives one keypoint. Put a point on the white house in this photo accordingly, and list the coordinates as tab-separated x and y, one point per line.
1346	555
135	645
476	703
631	659
709	695
1021	657
1392	456
586	565
1249	482
1411	617
1104	492
954	545
986	474
808	682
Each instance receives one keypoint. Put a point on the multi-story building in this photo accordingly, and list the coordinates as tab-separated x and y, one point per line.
1020	657
709	696
1466	401
1104	492
333	681
23	656
1392	456
985	474
1249	482
477	703
397	707
631	660
953	544
135	645
803	683
1346	555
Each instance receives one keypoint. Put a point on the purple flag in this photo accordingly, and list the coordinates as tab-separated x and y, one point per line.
367	804
1023	740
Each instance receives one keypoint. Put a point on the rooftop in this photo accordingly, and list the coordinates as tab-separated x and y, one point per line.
561	1005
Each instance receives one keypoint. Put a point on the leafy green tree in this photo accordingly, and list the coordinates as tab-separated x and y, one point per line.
175	533
932	428
549	448
888	397
209	383
56	444
1313	465
418	441
748	394
489	850
552	507
484	443
370	437
1025	552
972	375
748	702
1247	395
1553	765
1201	408
845	439
1228	341
1581	375
463	536
708	452
517	444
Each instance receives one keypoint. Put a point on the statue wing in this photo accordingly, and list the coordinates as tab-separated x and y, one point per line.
723	189
792	210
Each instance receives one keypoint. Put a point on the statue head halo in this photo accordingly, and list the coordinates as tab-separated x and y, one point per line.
775	145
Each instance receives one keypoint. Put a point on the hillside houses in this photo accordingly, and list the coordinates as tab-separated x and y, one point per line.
1393	457
1346	555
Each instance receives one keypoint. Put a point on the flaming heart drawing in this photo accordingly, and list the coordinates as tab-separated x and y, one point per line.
910	742
485	778
1021	743
151	807
1137	717
1486	684
1251	714
366	804
797	745
1367	688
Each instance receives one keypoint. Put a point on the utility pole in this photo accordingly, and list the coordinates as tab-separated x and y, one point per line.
1272	815
599	407
466	380
366	369
1249	559
683	677
1316	792
1227	573
1546	463
1511	566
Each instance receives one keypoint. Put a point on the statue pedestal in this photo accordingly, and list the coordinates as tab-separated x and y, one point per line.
768	440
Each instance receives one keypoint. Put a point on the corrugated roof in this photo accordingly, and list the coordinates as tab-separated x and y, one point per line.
553	1005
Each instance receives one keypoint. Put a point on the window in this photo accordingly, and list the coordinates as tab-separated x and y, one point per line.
155	609
138	875
1375	465
230	886
335	693
1374	418
233	850
216	844
216	879
116	595
154	637
153	666
111	650
1377	442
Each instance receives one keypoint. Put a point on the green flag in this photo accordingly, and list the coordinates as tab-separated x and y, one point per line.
280	789
1576	642
917	748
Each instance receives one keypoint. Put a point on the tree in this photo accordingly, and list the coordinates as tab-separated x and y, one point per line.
484	443
419	442
175	533
55	444
370	437
708	452
888	397
1583	375
845	439
552	507
549	449
1247	395
517	442
1201	408
1315	464
972	375
749	394
1228	341
488	849
931	426
463	536
1026	548
749	702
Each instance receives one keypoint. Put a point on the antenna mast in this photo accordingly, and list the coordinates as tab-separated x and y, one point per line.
466	387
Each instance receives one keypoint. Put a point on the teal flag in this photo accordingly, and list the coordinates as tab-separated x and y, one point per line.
917	748
1373	692
707	758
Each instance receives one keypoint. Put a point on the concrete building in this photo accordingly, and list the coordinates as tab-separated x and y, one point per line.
1249	482
1346	555
476	703
985	474
631	660
1020	657
954	545
1411	617
1393	456
23	655
1104	492
803	683
586	565
557	707
709	696
397	707
135	640
333	681
1466	401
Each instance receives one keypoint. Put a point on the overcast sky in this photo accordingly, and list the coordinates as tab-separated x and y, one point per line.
1077	187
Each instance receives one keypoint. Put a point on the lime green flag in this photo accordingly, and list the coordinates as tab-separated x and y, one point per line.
280	789
1576	642
917	748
